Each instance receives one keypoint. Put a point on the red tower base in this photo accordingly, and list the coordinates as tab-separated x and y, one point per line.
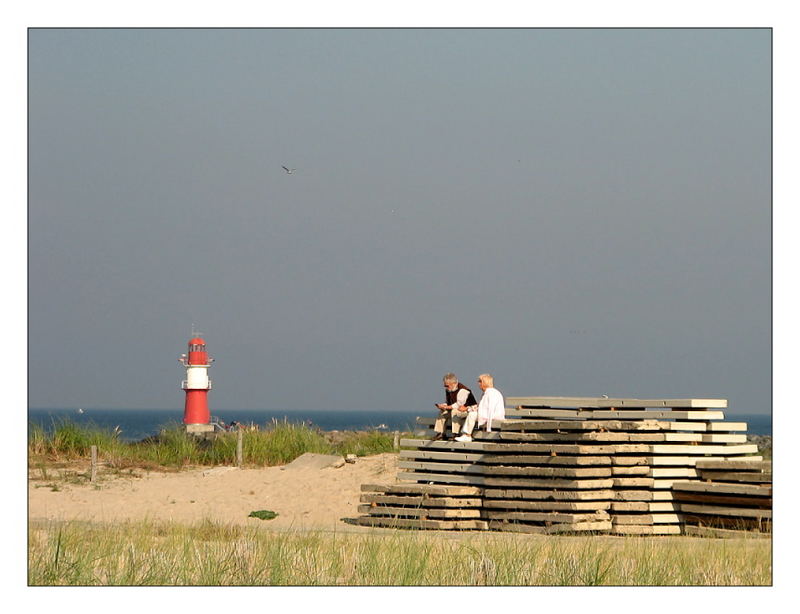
196	409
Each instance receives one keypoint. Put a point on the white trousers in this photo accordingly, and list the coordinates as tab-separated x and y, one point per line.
463	421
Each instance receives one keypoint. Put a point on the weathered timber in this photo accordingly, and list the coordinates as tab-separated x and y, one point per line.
661	461
555	495
479	480
550	506
643	495
611	414
445	456
645	519
643	506
580	425
728	522
419	512
491	447
719	450
420	500
518	527
751	477
656	529
617	402
554	517
719	510
472	469
424	489
631	471
735	465
511	459
728	500
723	488
419	523
715	532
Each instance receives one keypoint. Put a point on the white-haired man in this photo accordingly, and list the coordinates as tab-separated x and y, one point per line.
491	408
460	406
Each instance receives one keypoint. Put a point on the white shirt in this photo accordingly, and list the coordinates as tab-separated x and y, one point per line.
491	407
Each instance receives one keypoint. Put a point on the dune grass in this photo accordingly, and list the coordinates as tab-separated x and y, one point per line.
219	555
279	443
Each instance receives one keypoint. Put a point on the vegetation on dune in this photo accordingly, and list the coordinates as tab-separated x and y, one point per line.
218	555
279	443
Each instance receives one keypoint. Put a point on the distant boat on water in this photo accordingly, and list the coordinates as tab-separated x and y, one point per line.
80	411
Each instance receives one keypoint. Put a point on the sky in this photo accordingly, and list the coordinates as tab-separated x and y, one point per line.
577	211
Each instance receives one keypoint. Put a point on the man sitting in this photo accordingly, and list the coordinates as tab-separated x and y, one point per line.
459	405
492	407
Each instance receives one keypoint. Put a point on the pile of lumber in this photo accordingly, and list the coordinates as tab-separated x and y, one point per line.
421	506
731	497
559	464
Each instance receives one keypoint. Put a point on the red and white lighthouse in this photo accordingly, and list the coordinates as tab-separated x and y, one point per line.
196	383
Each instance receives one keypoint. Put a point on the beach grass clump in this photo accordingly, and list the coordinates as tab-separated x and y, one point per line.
364	443
215	554
279	443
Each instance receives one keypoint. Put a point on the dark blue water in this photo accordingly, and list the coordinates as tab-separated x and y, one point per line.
137	424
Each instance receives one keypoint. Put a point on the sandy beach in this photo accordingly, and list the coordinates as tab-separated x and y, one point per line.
306	494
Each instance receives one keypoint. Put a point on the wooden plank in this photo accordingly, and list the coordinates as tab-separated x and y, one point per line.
644	506
555	495
472	469
442	455
490	447
518	459
549	506
724	438
615	402
643	495
518	527
705	498
424	489
418	512
727	426
554	517
752	477
718	450
645	519
418	523
723	488
725	533
546	413
602	414
631	471
580	425
663	529
478	480
420	500
735	465
661	461
719	510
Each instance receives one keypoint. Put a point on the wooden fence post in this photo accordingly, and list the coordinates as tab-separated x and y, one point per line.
239	447
396	440
93	476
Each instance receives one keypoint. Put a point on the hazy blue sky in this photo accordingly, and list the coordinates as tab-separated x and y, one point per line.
579	212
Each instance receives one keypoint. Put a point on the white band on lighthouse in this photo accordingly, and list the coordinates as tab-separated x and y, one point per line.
197	378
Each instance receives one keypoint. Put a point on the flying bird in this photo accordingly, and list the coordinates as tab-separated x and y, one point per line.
288	170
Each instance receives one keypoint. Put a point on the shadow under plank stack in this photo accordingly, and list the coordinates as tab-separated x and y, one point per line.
563	465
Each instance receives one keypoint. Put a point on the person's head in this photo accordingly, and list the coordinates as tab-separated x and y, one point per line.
450	381
485	381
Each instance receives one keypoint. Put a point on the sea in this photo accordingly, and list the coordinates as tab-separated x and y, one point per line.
138	424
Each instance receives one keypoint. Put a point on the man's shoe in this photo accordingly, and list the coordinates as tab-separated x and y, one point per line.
464	438
437	437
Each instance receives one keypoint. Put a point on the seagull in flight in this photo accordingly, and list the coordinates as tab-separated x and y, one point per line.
288	170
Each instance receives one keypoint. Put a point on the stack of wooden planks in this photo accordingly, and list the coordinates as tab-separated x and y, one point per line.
570	464
421	506
731	497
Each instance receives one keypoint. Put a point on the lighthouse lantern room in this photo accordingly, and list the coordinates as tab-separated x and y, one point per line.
196	415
